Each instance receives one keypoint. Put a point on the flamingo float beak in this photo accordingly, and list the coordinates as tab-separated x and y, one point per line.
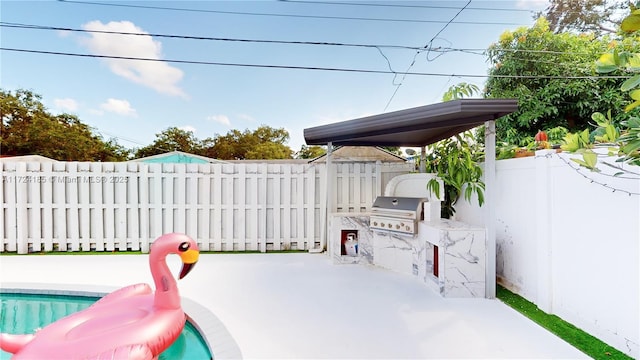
189	260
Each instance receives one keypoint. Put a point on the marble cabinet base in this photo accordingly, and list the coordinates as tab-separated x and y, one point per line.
395	251
341	226
458	252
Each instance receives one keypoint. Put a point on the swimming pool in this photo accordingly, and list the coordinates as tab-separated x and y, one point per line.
23	313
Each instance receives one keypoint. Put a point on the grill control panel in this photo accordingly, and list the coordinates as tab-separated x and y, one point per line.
406	226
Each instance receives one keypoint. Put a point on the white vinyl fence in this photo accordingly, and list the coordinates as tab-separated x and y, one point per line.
81	206
568	239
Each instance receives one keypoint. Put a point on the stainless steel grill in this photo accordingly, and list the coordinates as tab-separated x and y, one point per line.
397	214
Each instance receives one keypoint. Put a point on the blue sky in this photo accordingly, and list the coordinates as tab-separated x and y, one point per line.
132	100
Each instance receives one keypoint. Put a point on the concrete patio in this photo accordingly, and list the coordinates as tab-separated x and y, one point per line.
300	306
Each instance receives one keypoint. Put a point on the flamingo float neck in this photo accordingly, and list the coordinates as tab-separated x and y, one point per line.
166	294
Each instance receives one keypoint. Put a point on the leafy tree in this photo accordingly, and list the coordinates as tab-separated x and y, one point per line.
595	16
455	160
172	139
629	62
263	143
269	150
29	129
459	91
550	97
114	152
310	152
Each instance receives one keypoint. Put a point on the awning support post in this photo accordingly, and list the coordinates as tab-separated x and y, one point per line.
328	204
490	206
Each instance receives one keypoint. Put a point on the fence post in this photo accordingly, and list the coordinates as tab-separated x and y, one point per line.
70	181
379	182
143	181
263	169
84	207
22	223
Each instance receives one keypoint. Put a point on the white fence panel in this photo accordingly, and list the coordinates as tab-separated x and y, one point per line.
71	206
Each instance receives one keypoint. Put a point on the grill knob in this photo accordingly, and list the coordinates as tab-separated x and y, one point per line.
397	226
408	228
382	224
375	223
390	226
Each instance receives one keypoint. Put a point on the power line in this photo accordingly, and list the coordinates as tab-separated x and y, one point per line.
401	5
441	50
475	51
429	45
292	67
283	15
191	37
113	136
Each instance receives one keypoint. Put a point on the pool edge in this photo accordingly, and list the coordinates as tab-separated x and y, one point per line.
213	331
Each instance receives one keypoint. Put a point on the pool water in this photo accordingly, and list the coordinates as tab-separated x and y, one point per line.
23	313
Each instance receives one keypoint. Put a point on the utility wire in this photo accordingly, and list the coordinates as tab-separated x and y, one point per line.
291	67
429	44
113	136
474	51
379	47
190	37
283	15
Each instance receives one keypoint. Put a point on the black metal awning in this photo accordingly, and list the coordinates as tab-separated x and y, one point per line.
414	127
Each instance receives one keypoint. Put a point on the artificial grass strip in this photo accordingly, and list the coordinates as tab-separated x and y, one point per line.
106	252
581	340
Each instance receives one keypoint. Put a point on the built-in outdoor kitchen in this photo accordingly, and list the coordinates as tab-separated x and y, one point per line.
402	229
403	232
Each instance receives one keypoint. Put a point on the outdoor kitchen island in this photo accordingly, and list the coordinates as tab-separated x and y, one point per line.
448	256
403	232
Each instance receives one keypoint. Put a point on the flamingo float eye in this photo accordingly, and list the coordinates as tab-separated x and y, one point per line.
184	246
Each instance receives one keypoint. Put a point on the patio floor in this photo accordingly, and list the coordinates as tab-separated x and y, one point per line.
300	306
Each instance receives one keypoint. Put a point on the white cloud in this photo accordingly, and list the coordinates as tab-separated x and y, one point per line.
66	104
117	106
222	119
157	75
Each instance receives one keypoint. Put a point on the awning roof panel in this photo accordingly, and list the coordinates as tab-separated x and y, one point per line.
419	126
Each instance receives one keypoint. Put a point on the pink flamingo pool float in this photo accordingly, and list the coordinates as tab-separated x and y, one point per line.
130	323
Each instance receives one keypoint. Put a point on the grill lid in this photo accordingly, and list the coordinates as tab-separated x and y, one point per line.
385	203
396	213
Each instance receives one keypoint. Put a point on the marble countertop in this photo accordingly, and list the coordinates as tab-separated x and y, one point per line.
444	224
351	214
447	224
